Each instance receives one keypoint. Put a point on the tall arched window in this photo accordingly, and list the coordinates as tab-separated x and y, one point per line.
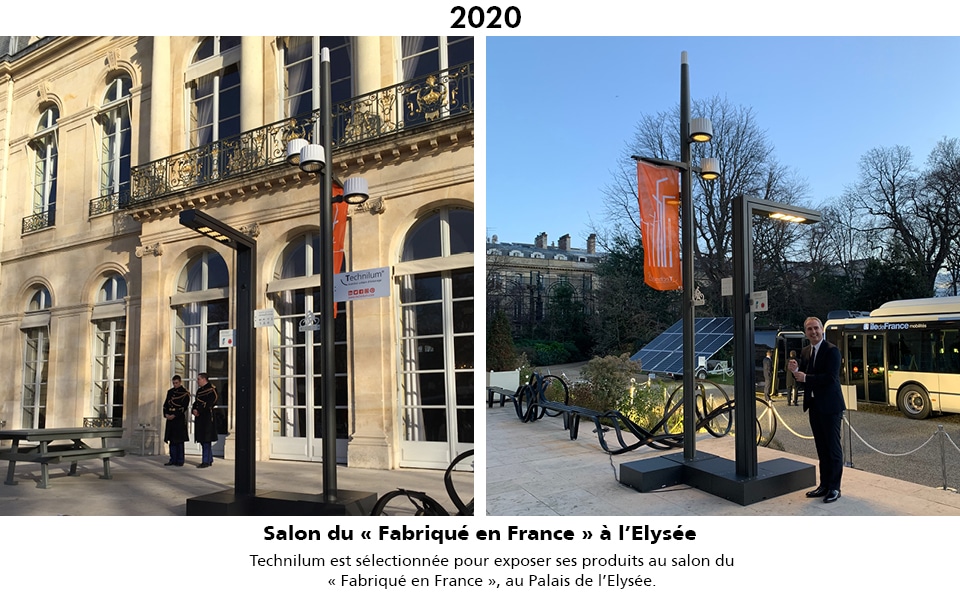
201	308
114	118
296	394
215	90
436	338
301	72
36	354
109	350
44	144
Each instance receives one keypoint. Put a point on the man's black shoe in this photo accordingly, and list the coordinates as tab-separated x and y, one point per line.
819	493
169	464
832	496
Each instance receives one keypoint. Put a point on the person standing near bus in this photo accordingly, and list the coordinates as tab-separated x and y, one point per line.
793	394
767	374
819	371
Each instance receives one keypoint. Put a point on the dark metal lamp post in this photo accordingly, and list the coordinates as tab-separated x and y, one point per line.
691	130
740	481
312	158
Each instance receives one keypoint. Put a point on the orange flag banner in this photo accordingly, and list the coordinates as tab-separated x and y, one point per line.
339	235
658	190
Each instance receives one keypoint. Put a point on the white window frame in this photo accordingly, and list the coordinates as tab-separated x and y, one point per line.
317	43
38	309
411	409
115	108
44	143
107	330
213	66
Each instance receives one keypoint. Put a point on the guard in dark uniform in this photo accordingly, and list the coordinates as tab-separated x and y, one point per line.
204	429
175	412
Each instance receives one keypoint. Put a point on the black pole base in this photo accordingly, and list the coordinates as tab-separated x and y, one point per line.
718	476
265	503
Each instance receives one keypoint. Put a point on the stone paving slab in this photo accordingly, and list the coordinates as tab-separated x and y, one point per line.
143	486
535	469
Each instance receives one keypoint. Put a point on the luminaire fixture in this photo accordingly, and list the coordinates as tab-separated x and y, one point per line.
355	190
701	130
312	158
784	217
294	147
214	229
709	169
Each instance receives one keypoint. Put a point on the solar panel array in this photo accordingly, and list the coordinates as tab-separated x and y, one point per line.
664	355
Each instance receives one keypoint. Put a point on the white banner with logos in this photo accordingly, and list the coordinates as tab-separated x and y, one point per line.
360	285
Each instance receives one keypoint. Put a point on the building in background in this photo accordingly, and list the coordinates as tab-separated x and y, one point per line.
523	279
104	296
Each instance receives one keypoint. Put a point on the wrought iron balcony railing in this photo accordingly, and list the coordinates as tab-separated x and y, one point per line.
388	111
111	202
38	221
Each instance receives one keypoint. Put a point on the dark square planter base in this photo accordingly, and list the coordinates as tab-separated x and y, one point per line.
718	476
265	503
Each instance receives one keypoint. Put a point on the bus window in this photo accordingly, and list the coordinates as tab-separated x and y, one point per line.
950	352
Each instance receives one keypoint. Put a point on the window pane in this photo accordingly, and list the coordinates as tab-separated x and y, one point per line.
459	50
462	283
424	240
461	231
217	276
463	316
463	351
427	319
421	288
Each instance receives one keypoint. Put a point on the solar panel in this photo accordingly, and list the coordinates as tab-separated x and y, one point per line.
664	354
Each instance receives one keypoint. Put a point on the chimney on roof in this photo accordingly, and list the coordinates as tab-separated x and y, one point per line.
592	244
541	241
565	242
493	240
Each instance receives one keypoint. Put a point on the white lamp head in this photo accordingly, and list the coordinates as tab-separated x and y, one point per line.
312	158
701	130
709	169
294	147
355	190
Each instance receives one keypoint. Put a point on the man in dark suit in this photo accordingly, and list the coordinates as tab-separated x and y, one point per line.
819	372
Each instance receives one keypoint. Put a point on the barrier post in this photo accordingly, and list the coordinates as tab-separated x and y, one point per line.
943	455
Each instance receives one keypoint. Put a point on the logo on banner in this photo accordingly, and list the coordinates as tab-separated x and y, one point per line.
658	191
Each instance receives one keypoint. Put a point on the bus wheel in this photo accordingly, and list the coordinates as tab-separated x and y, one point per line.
914	402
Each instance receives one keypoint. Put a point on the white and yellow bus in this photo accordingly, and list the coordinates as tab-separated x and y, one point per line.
905	353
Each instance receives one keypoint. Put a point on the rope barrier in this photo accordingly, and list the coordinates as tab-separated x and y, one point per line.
941	433
790	429
868	445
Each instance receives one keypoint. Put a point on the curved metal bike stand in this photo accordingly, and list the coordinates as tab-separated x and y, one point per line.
423	504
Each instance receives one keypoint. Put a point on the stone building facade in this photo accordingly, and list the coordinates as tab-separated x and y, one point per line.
104	296
522	277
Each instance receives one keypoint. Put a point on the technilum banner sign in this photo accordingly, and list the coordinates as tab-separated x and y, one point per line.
359	285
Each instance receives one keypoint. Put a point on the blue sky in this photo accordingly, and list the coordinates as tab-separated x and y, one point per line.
560	111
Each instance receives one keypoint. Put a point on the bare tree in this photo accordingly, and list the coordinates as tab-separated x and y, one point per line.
942	185
747	166
919	210
844	235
